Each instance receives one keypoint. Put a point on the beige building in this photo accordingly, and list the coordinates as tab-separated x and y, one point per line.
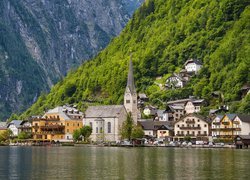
57	124
194	106
191	125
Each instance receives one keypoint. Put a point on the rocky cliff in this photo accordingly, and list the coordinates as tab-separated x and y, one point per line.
40	40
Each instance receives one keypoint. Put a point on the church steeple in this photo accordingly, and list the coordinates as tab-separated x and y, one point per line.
130	81
130	96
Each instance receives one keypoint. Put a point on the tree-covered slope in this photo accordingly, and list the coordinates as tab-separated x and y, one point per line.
162	35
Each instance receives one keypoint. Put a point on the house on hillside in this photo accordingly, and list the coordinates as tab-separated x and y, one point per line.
177	110
105	121
193	66
3	126
194	105
175	81
192	125
150	110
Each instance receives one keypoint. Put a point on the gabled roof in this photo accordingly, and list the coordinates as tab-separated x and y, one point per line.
230	116
193	61
194	115
64	111
152	125
104	111
176	107
179	101
142	96
16	123
244	117
165	127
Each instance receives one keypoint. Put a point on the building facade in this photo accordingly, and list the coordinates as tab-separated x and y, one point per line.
193	126
106	121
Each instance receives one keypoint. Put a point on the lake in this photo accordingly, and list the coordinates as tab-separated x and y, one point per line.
123	163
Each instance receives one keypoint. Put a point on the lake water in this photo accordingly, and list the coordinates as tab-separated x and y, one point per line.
123	163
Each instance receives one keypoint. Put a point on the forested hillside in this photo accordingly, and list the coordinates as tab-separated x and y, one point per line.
162	35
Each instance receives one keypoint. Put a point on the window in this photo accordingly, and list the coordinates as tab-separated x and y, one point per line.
109	127
67	137
90	124
178	125
205	132
198	120
205	125
127	101
193	132
78	124
67	124
134	101
96	130
198	125
67	130
101	130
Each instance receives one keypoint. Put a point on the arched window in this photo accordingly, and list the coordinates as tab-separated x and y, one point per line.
109	127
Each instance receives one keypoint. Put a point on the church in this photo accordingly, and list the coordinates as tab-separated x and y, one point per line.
106	121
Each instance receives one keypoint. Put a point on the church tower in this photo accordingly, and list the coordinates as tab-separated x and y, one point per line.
130	96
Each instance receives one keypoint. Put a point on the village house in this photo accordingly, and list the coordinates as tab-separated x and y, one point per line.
193	66
224	129
14	126
193	106
230	125
57	124
106	121
161	115
150	128
192	125
150	110
175	81
165	132
177	110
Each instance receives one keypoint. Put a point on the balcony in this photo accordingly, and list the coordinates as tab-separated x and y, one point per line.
49	127
236	122
202	135
190	128
226	129
190	122
225	123
48	132
216	123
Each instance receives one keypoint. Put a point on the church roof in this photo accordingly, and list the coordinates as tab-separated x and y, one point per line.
104	111
130	81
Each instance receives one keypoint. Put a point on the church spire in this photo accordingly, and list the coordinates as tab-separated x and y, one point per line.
130	81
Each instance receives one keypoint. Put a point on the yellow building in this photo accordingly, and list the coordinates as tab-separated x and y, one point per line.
57	124
223	127
164	132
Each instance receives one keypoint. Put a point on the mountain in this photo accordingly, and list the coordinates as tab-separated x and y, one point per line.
41	40
162	35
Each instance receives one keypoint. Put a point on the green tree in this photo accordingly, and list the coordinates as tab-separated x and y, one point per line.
86	132
127	127
24	135
137	132
76	135
6	135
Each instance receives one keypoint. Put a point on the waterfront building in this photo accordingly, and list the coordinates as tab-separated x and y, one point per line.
192	125
224	127
230	125
165	132
57	124
150	110
105	121
150	127
14	126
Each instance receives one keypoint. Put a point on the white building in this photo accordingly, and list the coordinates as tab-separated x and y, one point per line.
241	125
216	125
194	106
150	110
105	121
191	125
175	81
193	65
14	126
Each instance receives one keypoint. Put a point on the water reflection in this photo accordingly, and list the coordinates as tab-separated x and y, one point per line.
122	163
